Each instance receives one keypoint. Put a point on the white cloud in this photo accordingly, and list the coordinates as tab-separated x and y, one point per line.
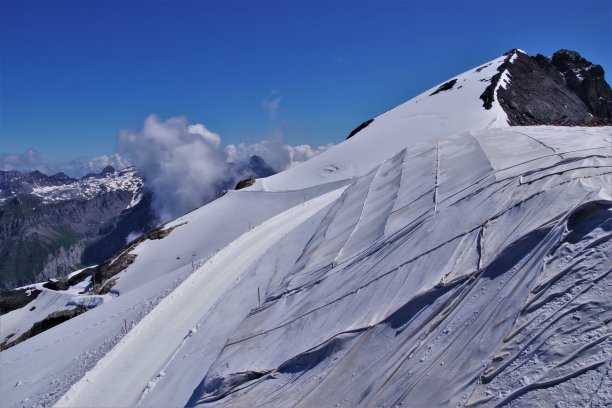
185	165
271	104
199	129
182	164
278	155
78	168
28	161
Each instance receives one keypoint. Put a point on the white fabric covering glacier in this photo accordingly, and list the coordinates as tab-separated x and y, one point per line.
437	258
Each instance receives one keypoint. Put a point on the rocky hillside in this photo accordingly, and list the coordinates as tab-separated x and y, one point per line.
52	225
47	222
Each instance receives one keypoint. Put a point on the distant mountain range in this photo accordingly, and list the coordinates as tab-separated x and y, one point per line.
51	225
48	223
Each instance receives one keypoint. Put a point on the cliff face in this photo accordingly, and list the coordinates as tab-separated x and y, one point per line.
48	222
564	89
586	80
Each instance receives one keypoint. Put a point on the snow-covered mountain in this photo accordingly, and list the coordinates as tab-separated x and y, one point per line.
51	224
59	187
438	257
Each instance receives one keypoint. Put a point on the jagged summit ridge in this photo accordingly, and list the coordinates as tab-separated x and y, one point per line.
59	187
565	89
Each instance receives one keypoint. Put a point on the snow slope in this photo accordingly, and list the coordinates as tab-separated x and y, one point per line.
154	341
436	258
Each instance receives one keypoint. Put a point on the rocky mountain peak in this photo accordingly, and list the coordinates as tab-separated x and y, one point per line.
108	170
565	89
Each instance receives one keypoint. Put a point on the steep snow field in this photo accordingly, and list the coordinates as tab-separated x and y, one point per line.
436	258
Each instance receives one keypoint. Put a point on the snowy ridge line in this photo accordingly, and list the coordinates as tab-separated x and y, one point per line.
171	319
503	80
123	180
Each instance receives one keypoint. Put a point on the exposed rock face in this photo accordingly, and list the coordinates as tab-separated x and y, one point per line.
244	183
587	81
15	299
259	167
563	90
362	126
444	87
113	236
102	274
48	322
48	222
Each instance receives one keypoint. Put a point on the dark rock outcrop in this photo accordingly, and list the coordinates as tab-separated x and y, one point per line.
359	128
57	284
586	80
48	322
244	183
15	299
563	90
113	236
103	273
259	167
444	87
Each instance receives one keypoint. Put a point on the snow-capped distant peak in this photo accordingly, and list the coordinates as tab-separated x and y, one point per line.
125	180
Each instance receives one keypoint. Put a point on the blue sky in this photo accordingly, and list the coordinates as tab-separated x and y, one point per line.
74	73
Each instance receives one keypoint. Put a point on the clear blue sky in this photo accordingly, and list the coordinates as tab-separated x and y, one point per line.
73	73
